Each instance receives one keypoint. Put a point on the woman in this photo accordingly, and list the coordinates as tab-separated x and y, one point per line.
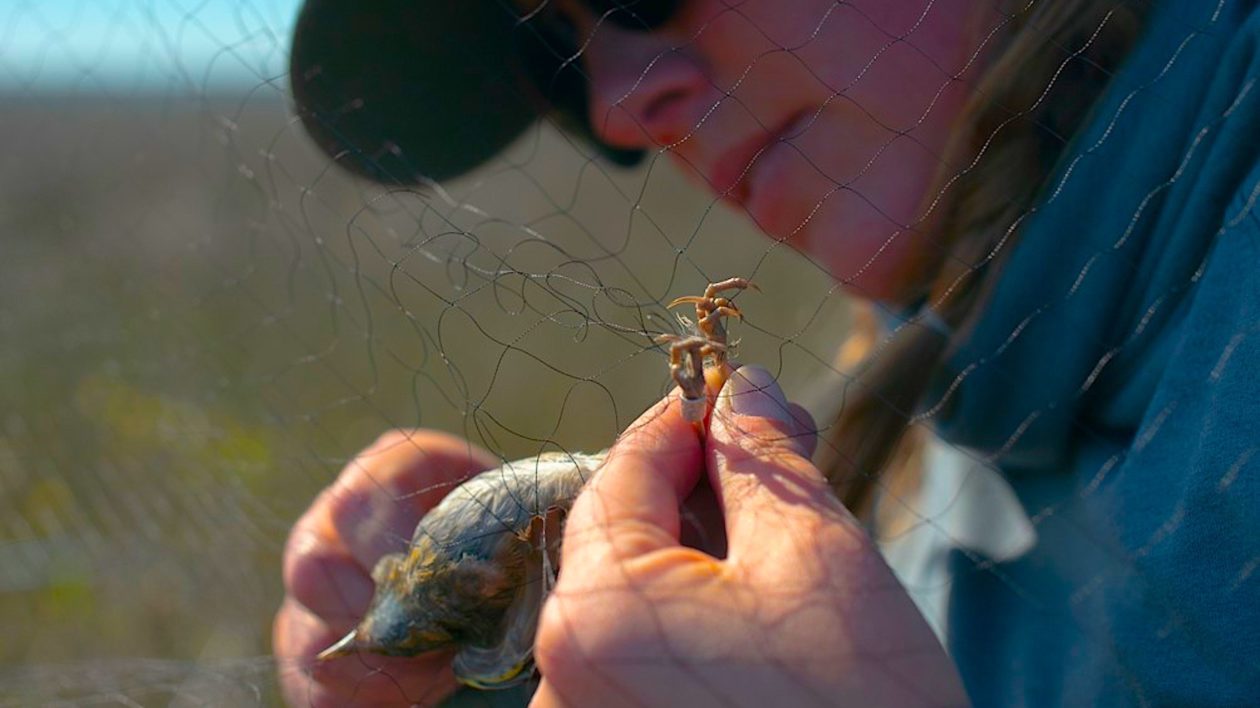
1051	205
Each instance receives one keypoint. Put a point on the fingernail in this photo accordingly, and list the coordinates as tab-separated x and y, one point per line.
751	390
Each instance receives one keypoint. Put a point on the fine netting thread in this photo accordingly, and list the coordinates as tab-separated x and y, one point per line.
206	318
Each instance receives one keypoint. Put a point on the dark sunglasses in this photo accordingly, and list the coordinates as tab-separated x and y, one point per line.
629	14
550	45
635	14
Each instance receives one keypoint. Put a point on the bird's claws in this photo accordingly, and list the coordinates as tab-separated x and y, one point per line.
705	351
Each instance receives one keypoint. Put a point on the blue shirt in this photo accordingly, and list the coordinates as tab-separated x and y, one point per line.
1114	377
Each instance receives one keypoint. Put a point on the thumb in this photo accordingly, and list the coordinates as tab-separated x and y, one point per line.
758	451
751	401
631	505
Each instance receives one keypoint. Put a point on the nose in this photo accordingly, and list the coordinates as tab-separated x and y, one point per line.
645	90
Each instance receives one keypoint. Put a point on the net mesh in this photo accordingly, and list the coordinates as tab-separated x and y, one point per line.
206	319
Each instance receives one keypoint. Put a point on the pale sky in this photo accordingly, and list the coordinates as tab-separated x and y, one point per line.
149	46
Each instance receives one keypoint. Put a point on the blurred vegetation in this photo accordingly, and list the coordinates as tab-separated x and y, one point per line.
202	320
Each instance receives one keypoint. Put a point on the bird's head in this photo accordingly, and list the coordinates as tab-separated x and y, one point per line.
427	600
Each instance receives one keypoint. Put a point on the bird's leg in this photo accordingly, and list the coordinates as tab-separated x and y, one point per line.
712	309
689	354
712	326
729	284
686	366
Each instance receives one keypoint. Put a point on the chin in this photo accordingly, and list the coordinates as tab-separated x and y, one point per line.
865	268
875	288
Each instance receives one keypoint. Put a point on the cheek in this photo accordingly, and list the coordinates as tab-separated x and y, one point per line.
809	40
864	218
842	152
858	247
825	52
793	25
830	44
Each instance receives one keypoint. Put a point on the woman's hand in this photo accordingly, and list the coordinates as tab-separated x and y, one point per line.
370	510
801	611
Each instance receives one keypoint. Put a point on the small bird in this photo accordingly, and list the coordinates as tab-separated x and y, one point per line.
480	566
483	561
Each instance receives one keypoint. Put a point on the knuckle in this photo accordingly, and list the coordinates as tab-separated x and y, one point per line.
359	515
348	508
296	632
369	523
326	582
631	538
281	630
298	558
607	549
351	500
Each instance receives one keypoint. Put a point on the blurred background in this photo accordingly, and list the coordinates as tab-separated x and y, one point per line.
202	319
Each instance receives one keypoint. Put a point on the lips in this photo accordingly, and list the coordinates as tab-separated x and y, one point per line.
729	177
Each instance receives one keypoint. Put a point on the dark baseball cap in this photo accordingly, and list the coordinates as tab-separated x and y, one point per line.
401	91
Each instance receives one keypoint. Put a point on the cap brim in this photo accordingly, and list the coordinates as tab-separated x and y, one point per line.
403	91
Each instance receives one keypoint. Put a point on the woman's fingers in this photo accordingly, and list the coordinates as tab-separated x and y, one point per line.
599	625
351	680
320	573
758	458
369	511
384	491
631	505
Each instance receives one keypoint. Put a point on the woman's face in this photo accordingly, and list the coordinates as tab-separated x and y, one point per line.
825	121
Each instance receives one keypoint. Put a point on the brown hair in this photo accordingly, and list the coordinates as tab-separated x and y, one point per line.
1053	60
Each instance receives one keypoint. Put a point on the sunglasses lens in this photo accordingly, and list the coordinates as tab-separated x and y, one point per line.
635	14
548	44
